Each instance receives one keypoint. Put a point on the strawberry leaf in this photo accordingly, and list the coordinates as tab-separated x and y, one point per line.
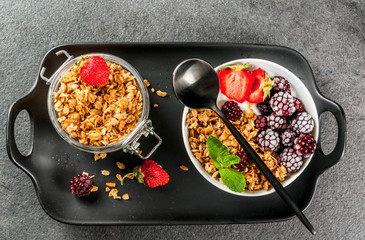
138	174
268	83
233	179
247	65
237	67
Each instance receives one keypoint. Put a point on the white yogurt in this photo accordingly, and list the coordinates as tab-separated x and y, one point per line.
243	106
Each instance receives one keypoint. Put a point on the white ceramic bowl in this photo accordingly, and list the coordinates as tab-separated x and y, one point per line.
298	90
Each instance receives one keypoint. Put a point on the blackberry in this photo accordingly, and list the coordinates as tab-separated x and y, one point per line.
280	85
282	103
303	123
298	105
232	110
264	107
260	123
245	159
81	185
269	140
287	138
291	160
305	145
276	122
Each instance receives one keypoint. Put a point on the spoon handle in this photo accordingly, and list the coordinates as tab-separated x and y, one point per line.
265	170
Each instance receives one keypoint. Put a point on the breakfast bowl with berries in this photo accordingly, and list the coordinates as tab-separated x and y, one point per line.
99	103
272	109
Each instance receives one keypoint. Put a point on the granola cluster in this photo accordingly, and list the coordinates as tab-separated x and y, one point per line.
98	115
202	123
111	187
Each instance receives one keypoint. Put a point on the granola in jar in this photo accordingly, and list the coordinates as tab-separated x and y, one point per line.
98	115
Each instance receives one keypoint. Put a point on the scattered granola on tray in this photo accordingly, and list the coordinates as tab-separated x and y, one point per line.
125	196
114	194
110	184
120	165
161	94
184	168
119	177
94	189
147	83
105	172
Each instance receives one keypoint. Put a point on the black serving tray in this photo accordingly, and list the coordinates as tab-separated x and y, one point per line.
188	198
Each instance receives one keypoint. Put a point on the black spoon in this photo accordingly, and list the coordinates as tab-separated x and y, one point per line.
196	85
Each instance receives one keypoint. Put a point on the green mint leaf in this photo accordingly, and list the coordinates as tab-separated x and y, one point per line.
233	179
231	159
219	153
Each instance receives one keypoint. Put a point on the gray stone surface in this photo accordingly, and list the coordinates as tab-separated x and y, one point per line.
330	34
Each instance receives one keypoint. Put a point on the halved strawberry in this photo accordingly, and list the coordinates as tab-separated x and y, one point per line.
236	83
261	87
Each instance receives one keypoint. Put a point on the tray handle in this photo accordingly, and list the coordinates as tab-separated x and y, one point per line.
330	159
19	159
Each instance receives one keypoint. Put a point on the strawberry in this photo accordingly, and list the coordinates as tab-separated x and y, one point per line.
150	173
95	71
236	82
261	87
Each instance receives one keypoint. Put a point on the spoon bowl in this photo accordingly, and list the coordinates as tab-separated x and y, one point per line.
196	84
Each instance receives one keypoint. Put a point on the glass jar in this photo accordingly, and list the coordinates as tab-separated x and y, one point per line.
130	143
